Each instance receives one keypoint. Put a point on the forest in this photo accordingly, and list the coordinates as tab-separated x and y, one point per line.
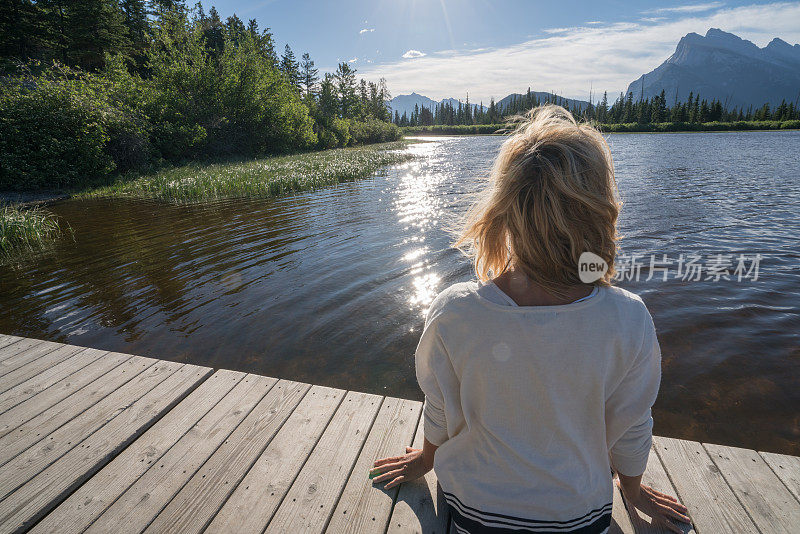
625	110
93	89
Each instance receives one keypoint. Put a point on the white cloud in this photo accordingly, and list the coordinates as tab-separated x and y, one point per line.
414	54
366	30
352	60
595	22
690	8
607	57
559	30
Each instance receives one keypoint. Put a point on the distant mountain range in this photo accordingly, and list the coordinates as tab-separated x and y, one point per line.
542	97
406	103
725	67
719	66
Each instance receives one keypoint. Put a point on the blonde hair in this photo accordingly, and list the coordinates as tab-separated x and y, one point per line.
552	197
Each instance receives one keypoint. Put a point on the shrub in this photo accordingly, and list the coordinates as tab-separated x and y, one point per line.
373	131
52	134
64	129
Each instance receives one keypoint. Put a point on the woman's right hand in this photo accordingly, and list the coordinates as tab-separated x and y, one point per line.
661	507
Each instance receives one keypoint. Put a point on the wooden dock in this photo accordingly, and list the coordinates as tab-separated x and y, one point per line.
107	442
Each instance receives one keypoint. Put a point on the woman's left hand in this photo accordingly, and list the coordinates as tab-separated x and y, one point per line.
398	469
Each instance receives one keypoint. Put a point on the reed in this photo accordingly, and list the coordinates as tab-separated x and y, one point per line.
25	229
259	178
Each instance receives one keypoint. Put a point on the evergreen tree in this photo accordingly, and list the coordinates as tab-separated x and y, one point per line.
235	29
602	109
95	27
308	73
328	102
21	29
135	20
290	68
159	8
628	114
346	86
214	31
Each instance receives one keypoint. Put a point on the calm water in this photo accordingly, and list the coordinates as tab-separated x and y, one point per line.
331	286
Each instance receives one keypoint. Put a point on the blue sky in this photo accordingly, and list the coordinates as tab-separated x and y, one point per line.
444	48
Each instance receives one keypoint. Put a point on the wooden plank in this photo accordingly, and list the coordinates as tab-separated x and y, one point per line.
34	406
313	496
621	521
28	462
197	502
656	477
701	487
419	508
47	377
769	503
142	502
52	485
21	353
363	506
6	340
787	468
255	499
23	437
37	366
76	513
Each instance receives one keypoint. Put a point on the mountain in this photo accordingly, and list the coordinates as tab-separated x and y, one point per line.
406	103
723	66
542	97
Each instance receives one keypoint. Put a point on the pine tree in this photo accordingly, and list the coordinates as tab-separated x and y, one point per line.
346	85
21	29
135	20
602	109
328	102
290	68
264	42
95	27
308	74
235	29
214	31
159	8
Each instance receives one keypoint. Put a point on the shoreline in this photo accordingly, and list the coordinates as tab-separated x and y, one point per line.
258	177
664	127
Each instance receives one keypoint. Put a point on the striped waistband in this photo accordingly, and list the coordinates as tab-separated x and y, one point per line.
473	521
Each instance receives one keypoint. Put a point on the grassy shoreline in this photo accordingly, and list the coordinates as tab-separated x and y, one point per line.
267	177
662	127
25	229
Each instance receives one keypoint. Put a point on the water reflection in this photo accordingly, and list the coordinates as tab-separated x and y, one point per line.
332	286
419	206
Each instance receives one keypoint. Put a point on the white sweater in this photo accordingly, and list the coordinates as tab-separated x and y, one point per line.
527	404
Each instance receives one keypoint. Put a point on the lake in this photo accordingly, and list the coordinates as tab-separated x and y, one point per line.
331	286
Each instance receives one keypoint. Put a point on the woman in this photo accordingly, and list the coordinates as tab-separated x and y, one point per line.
536	384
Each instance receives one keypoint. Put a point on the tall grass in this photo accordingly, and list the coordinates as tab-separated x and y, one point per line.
259	178
25	229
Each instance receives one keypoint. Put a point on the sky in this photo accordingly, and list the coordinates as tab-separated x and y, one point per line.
485	49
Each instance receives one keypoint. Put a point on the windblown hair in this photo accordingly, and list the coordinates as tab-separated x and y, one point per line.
552	197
